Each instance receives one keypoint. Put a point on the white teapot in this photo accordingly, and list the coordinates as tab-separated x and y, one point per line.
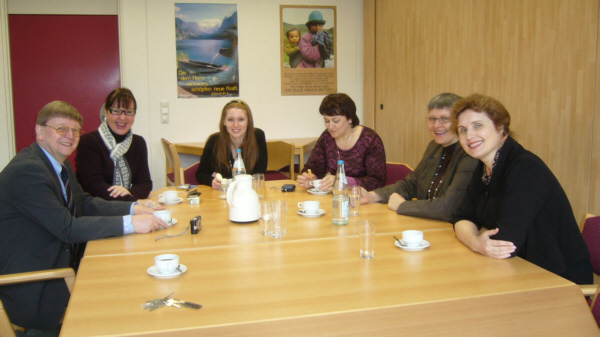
243	200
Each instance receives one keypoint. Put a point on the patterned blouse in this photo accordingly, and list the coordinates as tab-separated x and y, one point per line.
364	163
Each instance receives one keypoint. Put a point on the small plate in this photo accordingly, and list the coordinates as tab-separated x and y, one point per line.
177	201
315	191
424	244
319	213
154	272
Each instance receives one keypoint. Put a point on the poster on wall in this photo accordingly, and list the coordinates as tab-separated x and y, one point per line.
308	50
207	53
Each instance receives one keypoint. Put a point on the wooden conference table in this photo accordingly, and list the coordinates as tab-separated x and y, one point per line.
303	146
313	282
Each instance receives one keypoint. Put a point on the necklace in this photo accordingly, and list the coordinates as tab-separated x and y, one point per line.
431	196
345	146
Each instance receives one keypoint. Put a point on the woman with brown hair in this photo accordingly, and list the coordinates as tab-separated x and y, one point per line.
236	131
514	205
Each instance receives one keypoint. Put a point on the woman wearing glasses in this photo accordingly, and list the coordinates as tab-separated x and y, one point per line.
112	162
236	131
438	184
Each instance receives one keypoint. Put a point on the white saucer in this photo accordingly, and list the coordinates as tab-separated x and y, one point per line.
173	222
315	191
175	202
154	272
424	244
319	213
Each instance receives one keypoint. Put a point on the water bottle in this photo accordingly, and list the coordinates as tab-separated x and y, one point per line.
341	201
238	165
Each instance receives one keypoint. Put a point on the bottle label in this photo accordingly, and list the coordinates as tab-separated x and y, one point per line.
346	209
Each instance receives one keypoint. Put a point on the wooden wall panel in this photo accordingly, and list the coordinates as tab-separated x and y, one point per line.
448	56
538	57
594	203
540	62
394	63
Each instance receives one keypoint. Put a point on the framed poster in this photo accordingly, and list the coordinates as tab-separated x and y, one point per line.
207	53
308	50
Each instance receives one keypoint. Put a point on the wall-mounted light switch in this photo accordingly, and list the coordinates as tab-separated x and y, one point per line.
164	111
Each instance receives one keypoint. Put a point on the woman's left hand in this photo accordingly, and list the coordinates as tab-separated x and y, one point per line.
118	191
395	201
150	203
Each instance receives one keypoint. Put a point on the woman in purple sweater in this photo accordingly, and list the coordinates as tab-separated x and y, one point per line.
358	146
112	162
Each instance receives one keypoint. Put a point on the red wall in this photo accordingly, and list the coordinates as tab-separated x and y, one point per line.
72	58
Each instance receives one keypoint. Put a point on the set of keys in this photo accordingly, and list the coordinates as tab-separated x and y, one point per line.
169	302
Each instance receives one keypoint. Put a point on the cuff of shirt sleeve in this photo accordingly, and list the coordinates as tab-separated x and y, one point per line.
127	225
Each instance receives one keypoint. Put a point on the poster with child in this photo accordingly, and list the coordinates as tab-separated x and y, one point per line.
308	50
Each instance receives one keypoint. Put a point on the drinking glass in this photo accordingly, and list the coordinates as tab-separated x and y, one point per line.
258	184
354	194
278	218
366	235
265	217
223	189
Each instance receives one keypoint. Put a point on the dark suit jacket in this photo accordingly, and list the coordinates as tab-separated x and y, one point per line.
451	191
36	229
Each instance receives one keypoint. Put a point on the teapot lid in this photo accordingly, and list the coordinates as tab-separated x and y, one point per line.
243	177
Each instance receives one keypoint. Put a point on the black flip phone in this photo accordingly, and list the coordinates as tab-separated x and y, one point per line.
194	193
288	188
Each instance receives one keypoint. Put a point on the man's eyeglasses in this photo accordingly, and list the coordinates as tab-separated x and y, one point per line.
62	130
443	120
118	112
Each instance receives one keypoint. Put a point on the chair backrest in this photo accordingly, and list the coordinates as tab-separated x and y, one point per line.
281	154
189	175
591	235
173	163
396	171
595	307
68	274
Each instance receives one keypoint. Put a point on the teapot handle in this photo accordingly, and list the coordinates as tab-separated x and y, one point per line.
230	193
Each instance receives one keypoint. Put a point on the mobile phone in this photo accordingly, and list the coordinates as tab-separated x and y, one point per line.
288	188
194	193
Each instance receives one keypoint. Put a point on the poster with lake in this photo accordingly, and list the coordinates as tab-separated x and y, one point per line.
207	53
308	50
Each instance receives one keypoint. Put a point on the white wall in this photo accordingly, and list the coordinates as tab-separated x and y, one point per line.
148	66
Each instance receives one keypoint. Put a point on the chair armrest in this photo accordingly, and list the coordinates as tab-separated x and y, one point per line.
42	275
589	289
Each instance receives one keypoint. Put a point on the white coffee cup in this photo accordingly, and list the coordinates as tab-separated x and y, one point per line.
310	207
316	183
412	238
164	215
166	263
168	196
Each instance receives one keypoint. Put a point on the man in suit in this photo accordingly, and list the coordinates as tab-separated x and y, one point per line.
43	211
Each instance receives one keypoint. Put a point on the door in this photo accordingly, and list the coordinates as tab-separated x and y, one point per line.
72	58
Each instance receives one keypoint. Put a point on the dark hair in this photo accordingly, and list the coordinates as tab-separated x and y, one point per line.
339	105
482	104
122	96
287	34
58	109
443	101
249	144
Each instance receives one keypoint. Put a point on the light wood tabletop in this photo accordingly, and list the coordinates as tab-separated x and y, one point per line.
322	287
218	230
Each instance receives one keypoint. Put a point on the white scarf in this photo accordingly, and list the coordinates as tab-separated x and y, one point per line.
122	175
